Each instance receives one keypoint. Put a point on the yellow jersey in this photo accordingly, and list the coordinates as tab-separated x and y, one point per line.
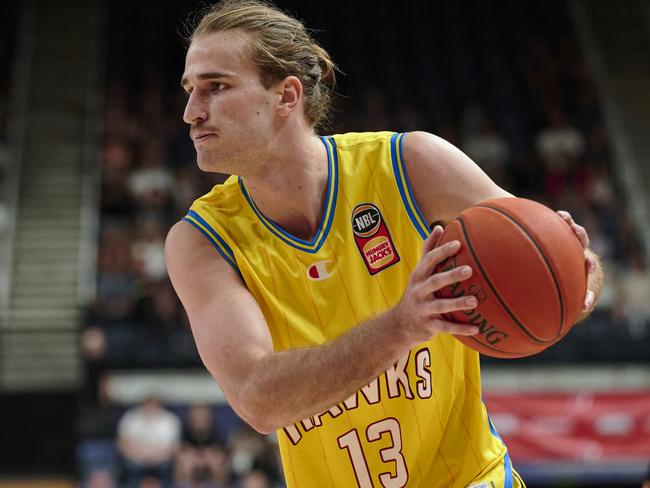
422	423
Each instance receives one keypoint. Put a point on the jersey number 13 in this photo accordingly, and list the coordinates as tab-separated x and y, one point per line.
351	442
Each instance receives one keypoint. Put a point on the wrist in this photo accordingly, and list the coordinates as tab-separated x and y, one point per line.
402	328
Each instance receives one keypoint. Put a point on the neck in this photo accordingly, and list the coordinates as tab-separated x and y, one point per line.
291	187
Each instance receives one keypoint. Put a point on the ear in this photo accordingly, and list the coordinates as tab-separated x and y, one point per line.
290	91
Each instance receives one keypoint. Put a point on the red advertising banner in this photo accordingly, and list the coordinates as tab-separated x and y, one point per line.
580	427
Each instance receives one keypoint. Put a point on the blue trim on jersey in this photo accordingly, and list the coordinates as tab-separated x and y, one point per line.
316	243
213	232
414	203
334	165
507	464
404	186
212	236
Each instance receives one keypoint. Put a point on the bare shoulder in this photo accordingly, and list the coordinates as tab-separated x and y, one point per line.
185	247
195	267
444	180
182	243
420	144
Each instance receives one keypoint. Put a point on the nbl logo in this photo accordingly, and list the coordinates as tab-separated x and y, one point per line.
366	220
372	238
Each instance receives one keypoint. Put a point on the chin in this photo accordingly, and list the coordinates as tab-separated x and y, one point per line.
207	162
202	164
225	160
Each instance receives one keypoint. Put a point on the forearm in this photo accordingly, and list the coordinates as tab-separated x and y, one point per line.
289	386
270	389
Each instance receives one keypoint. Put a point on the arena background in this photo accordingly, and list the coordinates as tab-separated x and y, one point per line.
551	98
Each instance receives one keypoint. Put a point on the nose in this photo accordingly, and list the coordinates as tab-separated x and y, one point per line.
195	110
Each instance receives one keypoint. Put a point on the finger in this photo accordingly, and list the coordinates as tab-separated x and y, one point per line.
447	305
437	256
591	263
580	231
431	242
566	216
439	230
437	281
454	327
589	300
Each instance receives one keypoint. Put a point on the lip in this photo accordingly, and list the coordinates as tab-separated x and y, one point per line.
202	137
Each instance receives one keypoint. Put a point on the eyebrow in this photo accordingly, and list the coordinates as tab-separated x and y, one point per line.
211	75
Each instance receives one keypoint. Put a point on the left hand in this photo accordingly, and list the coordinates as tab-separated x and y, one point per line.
590	262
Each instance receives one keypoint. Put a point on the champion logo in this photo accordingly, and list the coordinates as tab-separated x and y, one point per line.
318	271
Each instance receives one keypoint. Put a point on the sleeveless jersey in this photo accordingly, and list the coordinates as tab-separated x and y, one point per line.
420	424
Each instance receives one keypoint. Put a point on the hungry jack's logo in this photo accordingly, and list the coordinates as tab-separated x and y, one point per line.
373	239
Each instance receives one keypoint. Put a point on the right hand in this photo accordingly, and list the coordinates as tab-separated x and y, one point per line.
419	312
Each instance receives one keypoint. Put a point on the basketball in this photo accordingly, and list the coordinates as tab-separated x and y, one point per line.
529	276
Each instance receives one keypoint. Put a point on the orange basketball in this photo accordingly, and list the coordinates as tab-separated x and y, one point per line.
529	276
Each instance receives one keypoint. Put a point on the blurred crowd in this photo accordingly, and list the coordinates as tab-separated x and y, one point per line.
156	447
538	131
147	184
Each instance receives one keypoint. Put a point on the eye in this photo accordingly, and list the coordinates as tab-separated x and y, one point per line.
216	86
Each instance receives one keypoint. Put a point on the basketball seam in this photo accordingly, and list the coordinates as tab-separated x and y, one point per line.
509	354
541	252
494	291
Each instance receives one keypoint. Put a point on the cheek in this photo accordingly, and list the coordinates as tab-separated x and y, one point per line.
249	111
237	109
256	104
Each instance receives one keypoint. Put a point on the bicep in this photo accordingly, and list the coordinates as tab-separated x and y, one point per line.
444	180
228	326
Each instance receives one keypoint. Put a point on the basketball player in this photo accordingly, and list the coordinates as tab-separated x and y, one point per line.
309	278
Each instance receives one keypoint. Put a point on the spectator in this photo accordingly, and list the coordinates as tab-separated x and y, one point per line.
148	251
633	297
250	451
484	145
201	459
559	144
157	335
99	478
150	482
148	438
116	198
255	479
245	446
117	284
93	348
152	185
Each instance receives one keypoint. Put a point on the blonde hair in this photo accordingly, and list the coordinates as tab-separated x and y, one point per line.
280	46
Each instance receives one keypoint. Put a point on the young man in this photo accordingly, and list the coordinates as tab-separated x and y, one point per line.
309	278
